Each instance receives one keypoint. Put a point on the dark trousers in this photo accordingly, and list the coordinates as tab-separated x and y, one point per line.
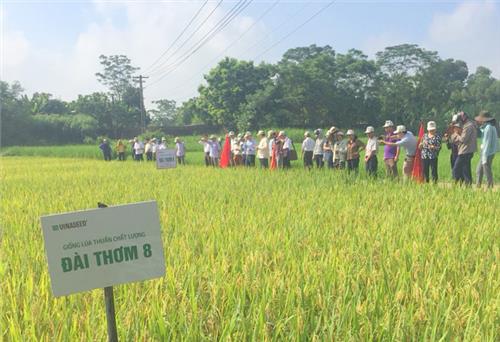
264	163
121	156
371	166
149	156
250	160
286	161
329	159
107	156
318	158
139	157
353	165
453	158
208	161
462	172
180	160
308	159
431	164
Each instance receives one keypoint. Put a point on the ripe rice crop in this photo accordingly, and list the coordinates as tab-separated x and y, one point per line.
254	255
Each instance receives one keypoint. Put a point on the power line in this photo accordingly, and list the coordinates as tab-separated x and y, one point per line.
178	37
231	44
219	26
188	38
203	41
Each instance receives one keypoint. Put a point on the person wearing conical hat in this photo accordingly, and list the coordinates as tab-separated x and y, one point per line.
489	146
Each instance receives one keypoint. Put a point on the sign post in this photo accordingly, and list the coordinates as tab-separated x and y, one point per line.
165	159
109	301
97	248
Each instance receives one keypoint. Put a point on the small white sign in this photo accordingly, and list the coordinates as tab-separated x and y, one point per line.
96	248
165	159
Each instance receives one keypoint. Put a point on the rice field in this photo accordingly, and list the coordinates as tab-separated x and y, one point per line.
255	255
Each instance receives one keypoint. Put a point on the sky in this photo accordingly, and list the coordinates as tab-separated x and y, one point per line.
54	46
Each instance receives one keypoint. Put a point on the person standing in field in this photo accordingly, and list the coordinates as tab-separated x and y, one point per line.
236	150
453	147
354	145
391	152
263	150
489	146
279	151
120	149
307	150
148	149
318	148
214	151
106	149
180	151
138	149
287	147
154	147
340	151
206	149
430	146
328	146
232	138
250	149
271	137
409	142
466	139
371	162
132	148
163	144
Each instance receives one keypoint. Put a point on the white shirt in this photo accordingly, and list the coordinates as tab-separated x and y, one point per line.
206	146
213	149
154	147
180	149
250	146
148	147
340	150
287	144
371	146
139	147
263	149
318	146
308	144
162	146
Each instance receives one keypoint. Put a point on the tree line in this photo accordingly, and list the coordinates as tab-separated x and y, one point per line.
308	87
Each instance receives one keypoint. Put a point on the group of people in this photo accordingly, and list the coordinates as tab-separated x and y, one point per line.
337	150
139	148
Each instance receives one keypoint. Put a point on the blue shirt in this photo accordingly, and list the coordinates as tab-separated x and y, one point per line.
409	142
490	142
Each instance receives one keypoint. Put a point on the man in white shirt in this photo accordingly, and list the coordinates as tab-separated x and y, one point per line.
149	150
250	147
206	149
307	150
318	148
163	144
213	144
287	147
371	148
263	150
138	149
407	141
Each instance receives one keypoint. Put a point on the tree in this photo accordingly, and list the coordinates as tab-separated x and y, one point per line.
165	113
117	74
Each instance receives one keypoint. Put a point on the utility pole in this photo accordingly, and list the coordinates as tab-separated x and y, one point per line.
141	78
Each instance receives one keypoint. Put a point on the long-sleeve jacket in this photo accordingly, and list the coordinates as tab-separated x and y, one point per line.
489	144
467	141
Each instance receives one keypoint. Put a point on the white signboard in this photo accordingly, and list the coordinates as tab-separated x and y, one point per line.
96	248
165	159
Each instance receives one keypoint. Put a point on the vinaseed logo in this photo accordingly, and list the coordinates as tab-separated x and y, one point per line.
69	225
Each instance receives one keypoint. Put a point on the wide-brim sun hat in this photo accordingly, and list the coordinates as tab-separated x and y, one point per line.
270	133
350	132
400	129
369	129
213	137
340	133
484	116
431	126
261	132
388	123
282	133
307	134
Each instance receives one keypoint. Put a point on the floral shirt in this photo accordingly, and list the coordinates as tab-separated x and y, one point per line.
431	146
353	148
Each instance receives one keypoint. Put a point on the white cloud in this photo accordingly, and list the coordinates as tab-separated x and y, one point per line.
149	28
471	33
